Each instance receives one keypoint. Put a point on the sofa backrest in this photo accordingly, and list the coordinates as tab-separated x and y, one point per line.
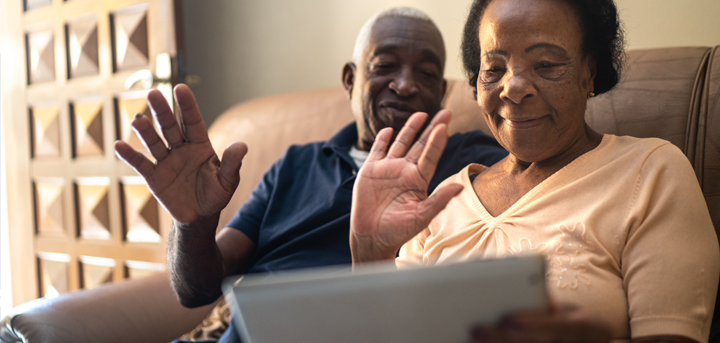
667	93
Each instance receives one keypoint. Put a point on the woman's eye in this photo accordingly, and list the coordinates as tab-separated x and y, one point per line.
492	74
550	70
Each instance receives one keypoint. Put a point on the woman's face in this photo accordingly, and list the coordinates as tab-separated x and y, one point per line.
534	78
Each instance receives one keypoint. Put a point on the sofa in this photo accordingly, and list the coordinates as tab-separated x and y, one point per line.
671	93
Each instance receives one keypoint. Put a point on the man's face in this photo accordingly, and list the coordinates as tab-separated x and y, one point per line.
401	73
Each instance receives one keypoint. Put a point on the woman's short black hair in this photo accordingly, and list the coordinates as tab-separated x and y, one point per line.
602	39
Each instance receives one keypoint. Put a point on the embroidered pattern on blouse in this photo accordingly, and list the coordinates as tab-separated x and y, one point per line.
526	246
564	270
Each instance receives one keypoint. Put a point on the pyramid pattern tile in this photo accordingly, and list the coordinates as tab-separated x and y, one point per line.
141	211
33	4
53	277
94	275
45	131
126	110
41	56
137	269
92	208
130	39
82	48
49	206
88	131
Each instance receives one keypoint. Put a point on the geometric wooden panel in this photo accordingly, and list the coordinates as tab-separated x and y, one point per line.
53	273
139	269
40	56
95	271
140	211
91	206
82	49
49	205
126	106
129	39
87	128
45	131
32	4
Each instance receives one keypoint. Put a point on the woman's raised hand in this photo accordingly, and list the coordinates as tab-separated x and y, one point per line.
187	177
390	204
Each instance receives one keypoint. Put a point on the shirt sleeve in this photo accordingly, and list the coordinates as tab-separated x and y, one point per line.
249	217
670	263
411	253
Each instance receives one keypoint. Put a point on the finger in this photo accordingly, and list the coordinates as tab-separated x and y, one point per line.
144	128
166	119
407	135
193	124
565	325
431	206
230	165
433	151
379	147
136	160
442	117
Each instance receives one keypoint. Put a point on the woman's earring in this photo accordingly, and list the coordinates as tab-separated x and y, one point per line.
591	95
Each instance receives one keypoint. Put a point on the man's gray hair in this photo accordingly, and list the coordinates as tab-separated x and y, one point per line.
363	38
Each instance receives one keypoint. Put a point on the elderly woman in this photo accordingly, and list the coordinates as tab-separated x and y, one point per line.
631	251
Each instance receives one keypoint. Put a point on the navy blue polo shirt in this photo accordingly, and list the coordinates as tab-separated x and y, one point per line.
299	214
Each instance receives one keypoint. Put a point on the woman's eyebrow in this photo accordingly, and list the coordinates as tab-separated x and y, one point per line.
545	45
496	52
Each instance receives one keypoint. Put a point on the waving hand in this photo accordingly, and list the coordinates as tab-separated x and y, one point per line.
390	202
187	177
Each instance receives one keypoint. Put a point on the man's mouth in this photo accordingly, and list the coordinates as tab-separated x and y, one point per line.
397	108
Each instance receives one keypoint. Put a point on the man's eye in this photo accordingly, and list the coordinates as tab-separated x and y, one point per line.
382	66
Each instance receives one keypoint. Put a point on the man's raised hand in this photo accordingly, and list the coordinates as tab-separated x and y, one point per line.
187	177
390	203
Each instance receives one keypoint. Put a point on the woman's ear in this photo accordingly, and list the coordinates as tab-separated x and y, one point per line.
348	79
592	69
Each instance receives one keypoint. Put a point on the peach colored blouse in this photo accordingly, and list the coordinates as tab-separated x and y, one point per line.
625	230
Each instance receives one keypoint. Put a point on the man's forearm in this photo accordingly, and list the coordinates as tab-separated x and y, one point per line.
195	263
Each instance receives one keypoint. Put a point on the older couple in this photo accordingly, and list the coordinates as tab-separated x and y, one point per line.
632	254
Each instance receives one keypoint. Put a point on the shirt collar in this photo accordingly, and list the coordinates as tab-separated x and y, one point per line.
341	143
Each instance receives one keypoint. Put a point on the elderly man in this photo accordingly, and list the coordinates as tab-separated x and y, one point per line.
298	215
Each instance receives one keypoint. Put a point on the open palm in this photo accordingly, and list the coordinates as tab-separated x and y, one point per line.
390	202
187	178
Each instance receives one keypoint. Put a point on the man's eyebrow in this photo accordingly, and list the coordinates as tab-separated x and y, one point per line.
545	45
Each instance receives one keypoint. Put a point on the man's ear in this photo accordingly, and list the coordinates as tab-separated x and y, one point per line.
348	79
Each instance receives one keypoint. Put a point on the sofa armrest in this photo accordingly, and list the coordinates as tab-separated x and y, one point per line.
141	310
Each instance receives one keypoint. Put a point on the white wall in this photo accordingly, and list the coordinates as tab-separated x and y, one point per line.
246	49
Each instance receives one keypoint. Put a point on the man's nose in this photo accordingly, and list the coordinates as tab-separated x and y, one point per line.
517	87
404	83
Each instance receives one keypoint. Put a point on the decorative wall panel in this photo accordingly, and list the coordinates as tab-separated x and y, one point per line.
53	273
93	213
49	205
126	107
87	128
82	47
140	211
40	56
139	269
95	271
130	39
45	131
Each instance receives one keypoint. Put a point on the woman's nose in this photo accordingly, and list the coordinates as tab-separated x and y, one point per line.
517	87
404	83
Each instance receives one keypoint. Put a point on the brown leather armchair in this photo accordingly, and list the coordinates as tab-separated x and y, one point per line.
669	93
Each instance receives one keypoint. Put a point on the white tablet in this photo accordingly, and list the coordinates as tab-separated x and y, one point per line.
378	303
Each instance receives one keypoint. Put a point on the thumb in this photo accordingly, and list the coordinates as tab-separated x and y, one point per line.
230	164
437	202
